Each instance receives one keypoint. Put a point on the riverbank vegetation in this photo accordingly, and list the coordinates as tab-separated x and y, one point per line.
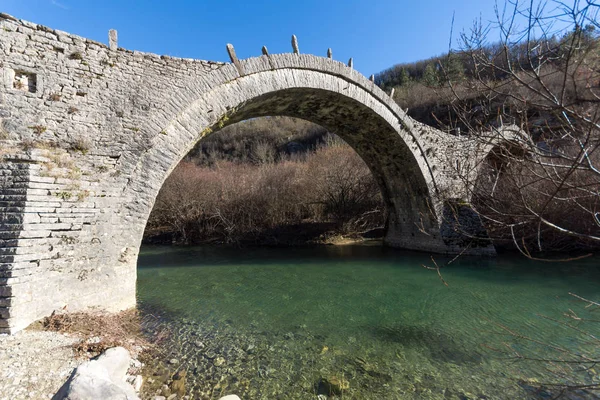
274	181
98	331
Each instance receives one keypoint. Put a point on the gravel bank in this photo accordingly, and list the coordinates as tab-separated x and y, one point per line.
35	364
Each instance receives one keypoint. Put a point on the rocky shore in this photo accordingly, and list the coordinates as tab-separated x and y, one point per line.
35	364
41	364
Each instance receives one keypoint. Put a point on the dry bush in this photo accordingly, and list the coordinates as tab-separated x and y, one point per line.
547	195
232	202
100	331
343	186
513	193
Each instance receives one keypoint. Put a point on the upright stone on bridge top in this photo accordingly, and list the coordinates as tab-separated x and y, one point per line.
234	59
329	53
295	44
113	40
372	78
392	93
265	51
351	62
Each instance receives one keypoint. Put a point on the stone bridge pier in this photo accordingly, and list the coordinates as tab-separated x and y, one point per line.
89	133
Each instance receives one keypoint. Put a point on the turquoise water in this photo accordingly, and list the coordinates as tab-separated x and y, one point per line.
365	322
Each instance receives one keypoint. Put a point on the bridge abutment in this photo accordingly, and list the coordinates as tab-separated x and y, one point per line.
56	249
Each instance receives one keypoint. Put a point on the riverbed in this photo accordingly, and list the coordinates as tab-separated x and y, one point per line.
367	322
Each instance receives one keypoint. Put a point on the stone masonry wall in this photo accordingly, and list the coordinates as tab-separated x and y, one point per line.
72	109
89	133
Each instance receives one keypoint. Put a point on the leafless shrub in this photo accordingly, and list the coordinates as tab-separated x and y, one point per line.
38	129
342	185
540	190
235	201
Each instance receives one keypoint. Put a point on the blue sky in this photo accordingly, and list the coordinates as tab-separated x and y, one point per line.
376	33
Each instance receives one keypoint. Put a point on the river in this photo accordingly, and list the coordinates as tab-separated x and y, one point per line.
367	322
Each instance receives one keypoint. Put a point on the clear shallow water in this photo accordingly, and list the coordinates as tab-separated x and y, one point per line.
273	323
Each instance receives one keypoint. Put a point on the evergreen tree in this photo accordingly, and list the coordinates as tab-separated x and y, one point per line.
404	77
454	69
430	76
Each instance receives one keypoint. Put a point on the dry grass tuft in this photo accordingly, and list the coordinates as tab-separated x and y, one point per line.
100	331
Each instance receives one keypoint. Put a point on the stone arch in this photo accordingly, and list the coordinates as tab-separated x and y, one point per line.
375	128
493	152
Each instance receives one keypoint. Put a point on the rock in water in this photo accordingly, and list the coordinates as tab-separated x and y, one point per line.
178	384
332	386
338	384
219	361
230	397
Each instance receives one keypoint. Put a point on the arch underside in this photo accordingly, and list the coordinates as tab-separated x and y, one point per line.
371	137
410	199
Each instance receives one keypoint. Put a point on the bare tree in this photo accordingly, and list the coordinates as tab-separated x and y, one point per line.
539	189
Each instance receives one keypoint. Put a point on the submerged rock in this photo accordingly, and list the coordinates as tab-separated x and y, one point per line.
219	361
165	390
178	383
332	386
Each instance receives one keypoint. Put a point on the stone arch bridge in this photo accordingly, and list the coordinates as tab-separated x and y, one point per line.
90	132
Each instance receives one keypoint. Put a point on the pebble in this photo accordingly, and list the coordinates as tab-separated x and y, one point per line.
173	361
219	361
